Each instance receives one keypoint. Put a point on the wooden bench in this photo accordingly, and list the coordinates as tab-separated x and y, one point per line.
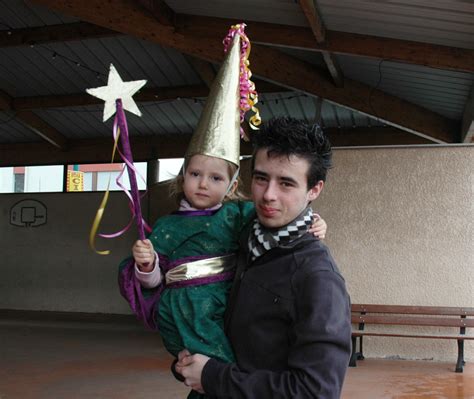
453	320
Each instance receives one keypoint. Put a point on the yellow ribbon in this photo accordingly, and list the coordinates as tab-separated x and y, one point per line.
254	120
252	96
103	204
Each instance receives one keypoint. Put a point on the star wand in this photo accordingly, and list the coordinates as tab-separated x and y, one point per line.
118	97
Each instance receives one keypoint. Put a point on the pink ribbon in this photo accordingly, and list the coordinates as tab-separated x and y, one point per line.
248	93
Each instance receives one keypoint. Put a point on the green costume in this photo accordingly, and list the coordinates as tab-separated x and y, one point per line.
192	316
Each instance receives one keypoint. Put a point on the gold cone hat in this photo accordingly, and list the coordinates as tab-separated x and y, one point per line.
218	131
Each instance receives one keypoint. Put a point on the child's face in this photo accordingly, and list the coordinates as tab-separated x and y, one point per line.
206	180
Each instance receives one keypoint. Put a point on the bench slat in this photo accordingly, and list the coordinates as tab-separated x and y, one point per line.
412	320
422	310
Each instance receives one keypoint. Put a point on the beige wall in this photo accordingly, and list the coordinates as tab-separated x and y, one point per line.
400	228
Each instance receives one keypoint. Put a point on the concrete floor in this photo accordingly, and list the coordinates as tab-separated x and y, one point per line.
42	359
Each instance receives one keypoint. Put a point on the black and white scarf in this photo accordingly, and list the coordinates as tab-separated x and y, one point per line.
262	239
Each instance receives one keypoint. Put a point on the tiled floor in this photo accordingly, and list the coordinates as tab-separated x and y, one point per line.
56	360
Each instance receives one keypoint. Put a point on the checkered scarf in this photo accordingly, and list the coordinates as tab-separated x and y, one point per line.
262	239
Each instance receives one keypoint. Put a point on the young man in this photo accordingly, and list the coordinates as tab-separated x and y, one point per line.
288	317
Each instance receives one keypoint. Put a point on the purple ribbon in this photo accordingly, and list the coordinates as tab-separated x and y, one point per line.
120	123
195	213
128	159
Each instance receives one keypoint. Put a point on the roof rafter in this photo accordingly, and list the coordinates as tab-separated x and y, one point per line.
5	101
127	17
82	99
204	69
42	129
8	103
160	10
316	23
174	146
53	33
33	122
431	55
426	54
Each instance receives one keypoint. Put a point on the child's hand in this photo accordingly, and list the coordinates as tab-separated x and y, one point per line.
319	227
144	255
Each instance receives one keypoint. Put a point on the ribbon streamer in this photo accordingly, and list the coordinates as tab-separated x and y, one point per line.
248	93
121	132
100	211
133	195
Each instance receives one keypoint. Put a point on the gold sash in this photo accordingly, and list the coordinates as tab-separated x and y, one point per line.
201	268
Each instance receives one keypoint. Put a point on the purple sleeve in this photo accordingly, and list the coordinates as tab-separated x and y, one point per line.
141	301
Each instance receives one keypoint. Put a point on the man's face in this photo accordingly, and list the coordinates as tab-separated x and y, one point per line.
279	188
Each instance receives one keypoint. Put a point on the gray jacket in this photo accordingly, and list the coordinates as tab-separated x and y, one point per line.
289	325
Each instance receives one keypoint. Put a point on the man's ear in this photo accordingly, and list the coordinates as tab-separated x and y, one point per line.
314	192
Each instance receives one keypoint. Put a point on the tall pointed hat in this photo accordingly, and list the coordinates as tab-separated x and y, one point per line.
231	95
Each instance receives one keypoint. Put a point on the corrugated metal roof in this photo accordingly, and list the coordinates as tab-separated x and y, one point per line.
53	69
442	91
302	106
177	117
445	22
26	71
19	14
312	57
181	116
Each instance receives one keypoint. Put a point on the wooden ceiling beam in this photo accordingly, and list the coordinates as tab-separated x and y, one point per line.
426	54
263	86
93	151
207	74
277	67
406	51
160	10
204	69
82	99
316	23
314	19
53	34
467	129
33	122
5	101
174	146
42	129
373	136
145	95
299	75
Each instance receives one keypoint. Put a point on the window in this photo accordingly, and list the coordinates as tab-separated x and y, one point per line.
96	177
31	179
80	178
169	168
